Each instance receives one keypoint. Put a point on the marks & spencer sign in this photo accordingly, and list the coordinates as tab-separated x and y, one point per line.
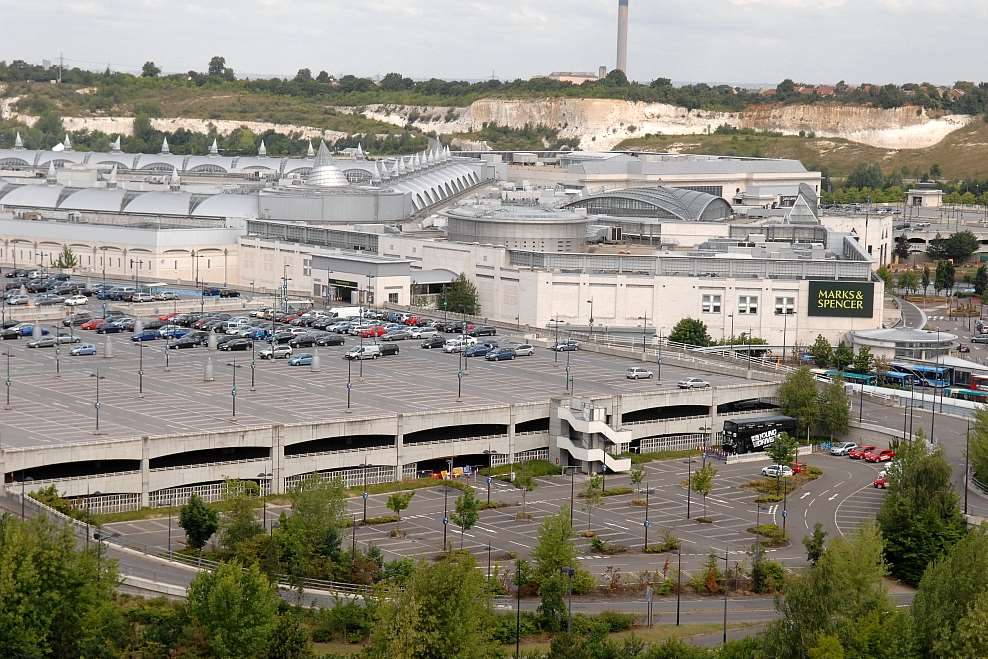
841	299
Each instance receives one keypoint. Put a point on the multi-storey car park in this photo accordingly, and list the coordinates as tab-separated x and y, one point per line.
167	429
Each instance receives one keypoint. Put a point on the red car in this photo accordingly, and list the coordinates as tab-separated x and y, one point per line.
884	455
858	452
881	483
91	324
412	321
371	332
168	316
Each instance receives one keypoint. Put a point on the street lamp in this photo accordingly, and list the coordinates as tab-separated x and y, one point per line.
449	474
263	476
590	302
555	353
96	405
647	523
644	331
363	469
233	389
24	481
569	572
284	283
7	379
689	484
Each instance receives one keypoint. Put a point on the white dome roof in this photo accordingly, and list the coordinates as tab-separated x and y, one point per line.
324	174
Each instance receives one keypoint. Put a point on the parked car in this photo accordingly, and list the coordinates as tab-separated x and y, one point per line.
27	329
963	348
301	359
76	300
483	330
858	452
883	455
371	332
110	327
525	350
566	346
77	319
48	300
638	373
500	355
50	341
303	341
228	292
397	335
163	296
478	350
92	324
423	332
185	342
434	341
18	300
881	482
983	338
84	349
363	352
330	340
693	383
774	471
388	349
842	448
141	297
146	335
173	332
277	352
9	334
236	345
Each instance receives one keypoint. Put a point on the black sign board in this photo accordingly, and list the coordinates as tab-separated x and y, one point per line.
841	299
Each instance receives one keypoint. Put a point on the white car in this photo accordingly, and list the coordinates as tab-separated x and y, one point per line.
75	300
774	471
693	383
423	332
277	352
525	350
842	448
638	373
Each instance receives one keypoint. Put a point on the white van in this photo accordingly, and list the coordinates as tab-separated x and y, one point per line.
345	312
363	352
231	326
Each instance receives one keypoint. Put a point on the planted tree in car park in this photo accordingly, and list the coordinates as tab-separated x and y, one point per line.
834	416
822	351
798	398
782	452
690	331
460	297
637	476
199	522
593	495
703	482
525	483
467	512
843	356
399	501
67	260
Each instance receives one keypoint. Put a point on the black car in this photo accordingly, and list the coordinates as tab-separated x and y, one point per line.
303	341
330	340
283	337
483	330
434	341
228	292
223	339
8	334
186	341
322	322
388	349
236	345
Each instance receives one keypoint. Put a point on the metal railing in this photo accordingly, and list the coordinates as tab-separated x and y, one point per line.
209	464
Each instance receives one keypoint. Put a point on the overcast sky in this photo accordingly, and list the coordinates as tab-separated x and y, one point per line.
740	41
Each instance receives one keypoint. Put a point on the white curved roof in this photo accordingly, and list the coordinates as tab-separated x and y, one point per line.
295	164
76	157
227	205
94	199
168	160
160	203
108	160
27	156
223	162
252	163
34	196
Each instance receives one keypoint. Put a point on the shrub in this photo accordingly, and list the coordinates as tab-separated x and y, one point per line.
669	543
773	534
348	621
504	626
584	583
606	548
616	491
767	576
533	468
704	520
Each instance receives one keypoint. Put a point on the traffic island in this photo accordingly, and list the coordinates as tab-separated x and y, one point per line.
771	535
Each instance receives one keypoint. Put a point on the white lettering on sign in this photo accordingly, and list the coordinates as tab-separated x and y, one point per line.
764	438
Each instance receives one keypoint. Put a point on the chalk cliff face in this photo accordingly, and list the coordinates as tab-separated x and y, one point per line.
602	123
599	124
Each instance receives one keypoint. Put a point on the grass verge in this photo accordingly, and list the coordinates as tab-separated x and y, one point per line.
773	535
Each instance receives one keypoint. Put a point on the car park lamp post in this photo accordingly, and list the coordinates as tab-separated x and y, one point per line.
727	569
647	523
261	477
349	383
364	494
689	484
253	365
555	352
679	580
449	474
572	489
644	318
24	481
233	389
58	352
7	382
569	572
140	369
96	405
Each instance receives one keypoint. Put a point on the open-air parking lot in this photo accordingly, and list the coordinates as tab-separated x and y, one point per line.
146	389
841	499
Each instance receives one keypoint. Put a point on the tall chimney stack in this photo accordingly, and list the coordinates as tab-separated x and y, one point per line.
622	40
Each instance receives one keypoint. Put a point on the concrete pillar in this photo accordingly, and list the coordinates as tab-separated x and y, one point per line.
512	419
399	447
107	347
207	371
277	459
555	426
315	360
145	471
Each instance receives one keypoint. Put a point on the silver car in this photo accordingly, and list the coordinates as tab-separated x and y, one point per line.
693	383
525	350
638	373
843	448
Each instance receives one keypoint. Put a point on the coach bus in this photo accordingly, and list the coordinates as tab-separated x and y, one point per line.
750	435
924	375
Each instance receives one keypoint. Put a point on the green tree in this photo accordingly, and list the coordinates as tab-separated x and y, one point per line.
981	280
833	413
593	495
637	476
901	249
979	444
150	70
55	600
319	507
815	543
303	76
822	352
525	483
399	501
798	398
866	175
690	331
862	360
67	260
843	356
467	512
953	588
554	549
936	171
885	275
460	297
239	523
236	608
919	517
703	482
843	596
199	522
961	245
908	281
444	610
291	639
926	279
783	450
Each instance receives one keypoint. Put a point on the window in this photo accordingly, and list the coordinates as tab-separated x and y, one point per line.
785	305
747	305
393	298
711	304
306	267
